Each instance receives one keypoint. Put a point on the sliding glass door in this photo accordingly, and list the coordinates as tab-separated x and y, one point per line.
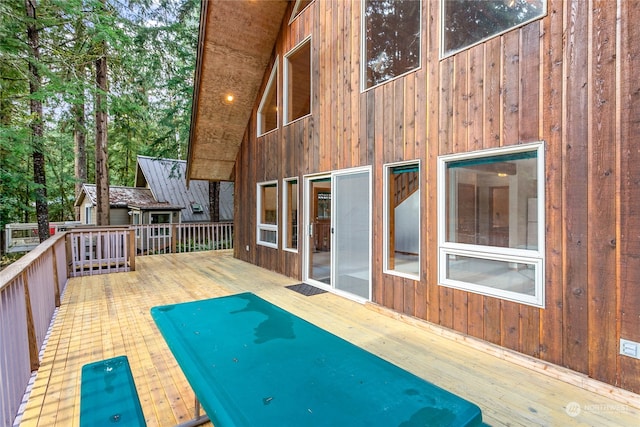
352	269
338	237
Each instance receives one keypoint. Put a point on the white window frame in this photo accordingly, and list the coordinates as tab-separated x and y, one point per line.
444	54
285	79
387	206
88	209
285	214
273	80
363	52
136	220
533	257
261	226
297	11
160	231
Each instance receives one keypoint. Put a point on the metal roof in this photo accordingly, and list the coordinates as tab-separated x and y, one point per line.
166	179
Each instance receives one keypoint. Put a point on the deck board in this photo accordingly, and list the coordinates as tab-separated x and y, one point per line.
105	316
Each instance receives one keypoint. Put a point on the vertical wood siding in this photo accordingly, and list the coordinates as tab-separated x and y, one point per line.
570	79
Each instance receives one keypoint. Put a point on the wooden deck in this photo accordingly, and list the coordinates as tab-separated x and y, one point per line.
108	315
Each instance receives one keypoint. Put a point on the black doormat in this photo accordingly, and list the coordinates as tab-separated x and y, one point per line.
307	290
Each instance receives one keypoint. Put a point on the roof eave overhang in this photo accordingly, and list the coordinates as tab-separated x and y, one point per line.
236	41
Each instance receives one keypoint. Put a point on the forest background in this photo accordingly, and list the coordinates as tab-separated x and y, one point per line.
54	98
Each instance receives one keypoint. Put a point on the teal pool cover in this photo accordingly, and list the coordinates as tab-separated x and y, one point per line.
251	363
108	395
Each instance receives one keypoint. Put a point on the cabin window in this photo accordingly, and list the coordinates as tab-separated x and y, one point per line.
491	222
268	214
88	209
402	219
297	75
160	219
391	39
468	22
268	108
136	220
290	209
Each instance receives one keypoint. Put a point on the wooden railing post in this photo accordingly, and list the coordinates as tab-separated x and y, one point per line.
56	283
31	328
174	238
132	249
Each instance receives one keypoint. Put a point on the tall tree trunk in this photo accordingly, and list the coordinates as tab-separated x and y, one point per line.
80	149
39	176
79	131
102	156
214	201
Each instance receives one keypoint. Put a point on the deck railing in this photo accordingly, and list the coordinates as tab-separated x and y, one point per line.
183	237
30	291
100	250
31	288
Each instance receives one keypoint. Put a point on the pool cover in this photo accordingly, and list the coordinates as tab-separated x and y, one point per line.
251	363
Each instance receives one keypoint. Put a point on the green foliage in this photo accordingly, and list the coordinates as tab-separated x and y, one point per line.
151	47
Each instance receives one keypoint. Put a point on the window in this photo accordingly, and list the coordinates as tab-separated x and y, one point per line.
491	222
298	8
268	214
268	108
161	218
402	219
297	75
391	42
290	203
469	22
88	209
137	220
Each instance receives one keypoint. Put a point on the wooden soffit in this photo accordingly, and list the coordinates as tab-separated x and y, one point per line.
235	44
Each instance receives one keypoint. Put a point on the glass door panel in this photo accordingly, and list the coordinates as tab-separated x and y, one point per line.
351	233
319	235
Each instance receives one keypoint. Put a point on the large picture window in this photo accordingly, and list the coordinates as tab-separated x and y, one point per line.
491	222
268	108
268	214
469	22
402	219
391	39
290	203
297	75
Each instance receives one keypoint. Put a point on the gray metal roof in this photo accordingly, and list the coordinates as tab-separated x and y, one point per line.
166	178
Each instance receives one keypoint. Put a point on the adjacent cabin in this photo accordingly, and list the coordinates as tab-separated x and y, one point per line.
166	179
161	196
471	164
128	205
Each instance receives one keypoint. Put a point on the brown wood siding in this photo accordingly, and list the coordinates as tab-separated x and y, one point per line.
570	79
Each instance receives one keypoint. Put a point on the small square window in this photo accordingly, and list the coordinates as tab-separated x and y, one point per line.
267	232
196	208
491	222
